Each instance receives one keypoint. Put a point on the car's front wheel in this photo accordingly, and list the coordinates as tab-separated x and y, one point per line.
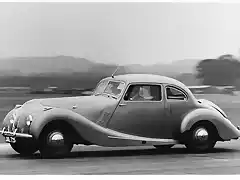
55	142
201	138
25	146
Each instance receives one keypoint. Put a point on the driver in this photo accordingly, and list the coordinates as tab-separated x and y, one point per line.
140	94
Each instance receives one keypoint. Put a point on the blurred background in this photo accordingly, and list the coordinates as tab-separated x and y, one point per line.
65	49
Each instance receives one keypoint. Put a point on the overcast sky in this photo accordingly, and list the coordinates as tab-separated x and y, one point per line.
144	33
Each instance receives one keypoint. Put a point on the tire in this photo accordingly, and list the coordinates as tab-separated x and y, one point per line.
25	146
54	143
206	139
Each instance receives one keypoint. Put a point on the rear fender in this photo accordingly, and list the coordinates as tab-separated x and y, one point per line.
226	130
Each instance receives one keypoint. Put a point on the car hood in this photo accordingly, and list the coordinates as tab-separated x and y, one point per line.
90	107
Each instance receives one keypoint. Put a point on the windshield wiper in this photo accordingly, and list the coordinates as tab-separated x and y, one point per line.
97	94
108	95
113	96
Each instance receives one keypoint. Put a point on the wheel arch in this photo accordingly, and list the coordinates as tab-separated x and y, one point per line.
209	124
65	125
225	129
59	117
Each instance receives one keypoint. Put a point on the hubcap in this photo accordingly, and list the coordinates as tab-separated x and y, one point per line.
201	134
56	139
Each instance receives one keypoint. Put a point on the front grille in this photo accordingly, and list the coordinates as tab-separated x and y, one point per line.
15	127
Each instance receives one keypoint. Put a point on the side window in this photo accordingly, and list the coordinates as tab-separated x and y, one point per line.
143	93
174	93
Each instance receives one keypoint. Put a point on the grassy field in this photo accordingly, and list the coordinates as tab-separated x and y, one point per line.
230	104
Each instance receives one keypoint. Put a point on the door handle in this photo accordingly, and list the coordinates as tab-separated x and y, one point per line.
170	109
122	105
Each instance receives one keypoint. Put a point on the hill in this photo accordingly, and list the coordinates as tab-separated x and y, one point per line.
69	72
23	66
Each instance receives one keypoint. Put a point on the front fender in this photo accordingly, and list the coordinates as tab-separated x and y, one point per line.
87	129
225	128
40	120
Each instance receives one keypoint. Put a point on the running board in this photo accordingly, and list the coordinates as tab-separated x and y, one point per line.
154	141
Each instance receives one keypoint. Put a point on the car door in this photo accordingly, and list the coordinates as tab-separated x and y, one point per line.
143	115
177	103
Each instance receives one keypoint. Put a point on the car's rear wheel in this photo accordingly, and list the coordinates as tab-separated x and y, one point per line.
201	138
25	146
55	142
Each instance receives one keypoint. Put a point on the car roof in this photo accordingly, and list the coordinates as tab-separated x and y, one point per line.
151	78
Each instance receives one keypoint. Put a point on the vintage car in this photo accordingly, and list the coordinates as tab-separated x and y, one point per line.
124	110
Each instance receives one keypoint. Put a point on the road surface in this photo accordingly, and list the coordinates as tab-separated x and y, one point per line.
225	159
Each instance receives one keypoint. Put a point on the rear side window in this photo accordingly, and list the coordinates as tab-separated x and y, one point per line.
175	93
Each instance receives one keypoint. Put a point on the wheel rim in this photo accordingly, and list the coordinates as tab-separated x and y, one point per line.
201	135
202	140
56	139
57	144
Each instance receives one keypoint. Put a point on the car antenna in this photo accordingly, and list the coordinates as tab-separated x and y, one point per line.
115	71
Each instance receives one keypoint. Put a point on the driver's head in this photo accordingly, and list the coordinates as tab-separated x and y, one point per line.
144	92
141	91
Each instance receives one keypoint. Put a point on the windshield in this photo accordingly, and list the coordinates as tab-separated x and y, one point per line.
109	87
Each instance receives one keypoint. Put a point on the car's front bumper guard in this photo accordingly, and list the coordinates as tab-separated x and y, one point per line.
7	133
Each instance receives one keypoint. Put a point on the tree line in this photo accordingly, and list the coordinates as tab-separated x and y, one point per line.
222	71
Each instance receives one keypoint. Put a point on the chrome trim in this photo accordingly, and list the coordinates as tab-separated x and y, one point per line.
18	106
122	105
74	107
56	139
47	108
148	140
201	134
10	140
14	134
29	120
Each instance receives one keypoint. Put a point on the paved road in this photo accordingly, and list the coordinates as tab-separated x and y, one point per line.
144	160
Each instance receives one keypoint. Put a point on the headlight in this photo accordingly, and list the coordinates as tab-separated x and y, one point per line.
13	118
29	120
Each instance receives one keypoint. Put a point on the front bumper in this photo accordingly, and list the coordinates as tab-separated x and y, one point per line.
10	137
